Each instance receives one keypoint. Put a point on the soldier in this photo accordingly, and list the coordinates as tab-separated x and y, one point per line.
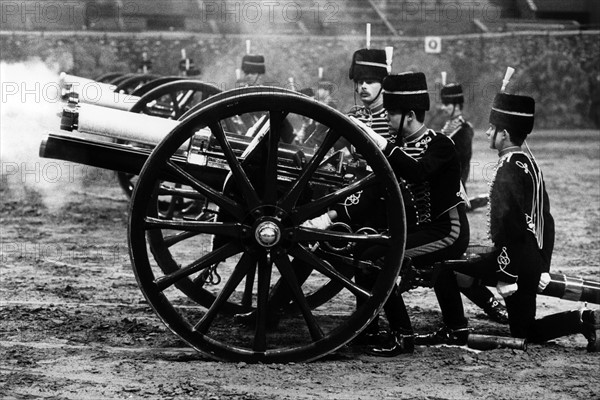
522	230
461	133
429	172
368	68
253	67
456	127
187	67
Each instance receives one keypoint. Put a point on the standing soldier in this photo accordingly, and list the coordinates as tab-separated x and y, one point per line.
187	67
522	231
461	133
253	67
456	127
368	68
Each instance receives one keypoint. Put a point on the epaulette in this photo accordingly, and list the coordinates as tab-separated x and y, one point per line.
453	125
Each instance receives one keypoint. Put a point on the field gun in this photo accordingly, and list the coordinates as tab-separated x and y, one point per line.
259	187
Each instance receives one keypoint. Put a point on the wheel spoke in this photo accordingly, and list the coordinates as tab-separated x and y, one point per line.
248	287
342	261
318	206
248	191
175	104
186	100
302	234
300	185
243	266
265	266
165	190
172	240
220	254
214	228
287	271
326	269
219	199
270	166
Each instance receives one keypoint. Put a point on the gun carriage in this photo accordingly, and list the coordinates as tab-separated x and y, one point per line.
196	270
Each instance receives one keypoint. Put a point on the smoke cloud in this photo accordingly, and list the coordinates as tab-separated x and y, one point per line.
29	109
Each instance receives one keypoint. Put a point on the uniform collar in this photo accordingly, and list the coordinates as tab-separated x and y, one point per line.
417	135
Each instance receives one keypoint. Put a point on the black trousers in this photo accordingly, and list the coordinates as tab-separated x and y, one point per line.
521	305
444	239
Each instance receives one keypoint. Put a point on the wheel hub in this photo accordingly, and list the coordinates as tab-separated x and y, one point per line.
267	234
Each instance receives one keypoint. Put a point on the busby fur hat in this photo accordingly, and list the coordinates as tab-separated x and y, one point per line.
452	93
368	64
513	112
406	91
253	64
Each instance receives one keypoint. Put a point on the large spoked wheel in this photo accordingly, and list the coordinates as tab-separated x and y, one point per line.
130	83
142	90
107	77
258	238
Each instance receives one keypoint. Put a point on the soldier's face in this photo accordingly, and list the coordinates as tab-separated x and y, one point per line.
394	120
494	139
368	90
447	108
251	79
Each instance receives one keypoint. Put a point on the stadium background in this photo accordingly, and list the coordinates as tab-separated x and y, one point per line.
553	46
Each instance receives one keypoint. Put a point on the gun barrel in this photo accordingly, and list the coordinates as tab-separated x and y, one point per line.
119	157
573	288
117	124
561	286
91	92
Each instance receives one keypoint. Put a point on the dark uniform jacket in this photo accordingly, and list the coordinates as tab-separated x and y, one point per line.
521	226
430	170
461	133
428	173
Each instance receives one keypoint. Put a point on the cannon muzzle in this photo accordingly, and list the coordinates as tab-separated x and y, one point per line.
88	91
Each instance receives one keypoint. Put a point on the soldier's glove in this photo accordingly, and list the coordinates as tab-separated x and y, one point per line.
506	289
320	222
378	139
544	281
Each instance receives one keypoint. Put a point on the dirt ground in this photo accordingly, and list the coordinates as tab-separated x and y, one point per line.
74	324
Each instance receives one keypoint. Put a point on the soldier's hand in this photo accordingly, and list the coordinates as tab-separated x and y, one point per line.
378	139
320	222
544	281
506	289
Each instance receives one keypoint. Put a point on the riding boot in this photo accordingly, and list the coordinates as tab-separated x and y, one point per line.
400	342
371	335
446	335
482	297
586	322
